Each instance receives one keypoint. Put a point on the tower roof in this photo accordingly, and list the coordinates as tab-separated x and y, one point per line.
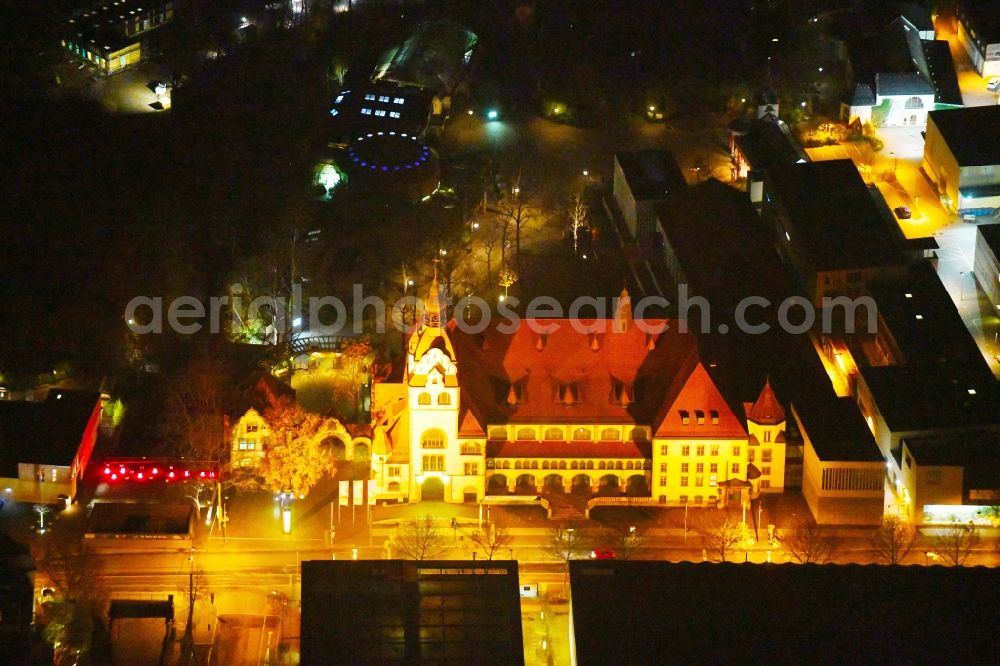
767	410
431	333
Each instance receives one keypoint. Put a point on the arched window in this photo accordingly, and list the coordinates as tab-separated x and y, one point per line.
471	447
424	398
394	487
444	398
553	434
581	434
914	103
573	465
590	464
638	434
610	435
433	439
517	464
618	464
545	464
562	464
534	464
526	433
601	465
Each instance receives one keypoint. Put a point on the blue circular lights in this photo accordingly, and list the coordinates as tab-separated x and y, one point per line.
384	153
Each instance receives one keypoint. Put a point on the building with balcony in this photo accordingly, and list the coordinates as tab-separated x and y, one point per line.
604	407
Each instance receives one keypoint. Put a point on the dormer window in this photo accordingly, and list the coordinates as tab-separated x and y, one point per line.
569	394
700	415
685	417
714	415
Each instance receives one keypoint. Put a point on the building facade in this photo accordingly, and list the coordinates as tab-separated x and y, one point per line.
979	33
594	408
111	35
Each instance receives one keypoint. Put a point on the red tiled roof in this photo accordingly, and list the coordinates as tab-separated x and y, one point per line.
699	394
767	410
526	449
593	369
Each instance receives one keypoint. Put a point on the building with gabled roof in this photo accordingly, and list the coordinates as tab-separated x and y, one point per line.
595	407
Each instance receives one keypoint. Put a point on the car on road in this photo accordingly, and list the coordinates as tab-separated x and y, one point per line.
602	554
902	212
994	84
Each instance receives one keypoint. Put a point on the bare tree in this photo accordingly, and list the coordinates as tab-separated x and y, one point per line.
721	537
893	539
420	540
566	543
193	411
492	539
514	215
954	543
810	543
578	218
626	540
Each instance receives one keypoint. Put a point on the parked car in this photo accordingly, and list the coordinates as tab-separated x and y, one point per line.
602	554
902	212
994	84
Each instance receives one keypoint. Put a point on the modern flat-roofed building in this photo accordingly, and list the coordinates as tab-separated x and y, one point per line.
411	612
111	34
45	445
764	145
987	261
831	228
629	612
641	179
962	158
979	33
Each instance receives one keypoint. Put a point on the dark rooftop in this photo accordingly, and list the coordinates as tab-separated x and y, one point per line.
984	17
651	174
910	83
769	144
972	133
977	452
991	235
633	612
45	433
139	519
942	71
863	95
941	379
834	217
408	612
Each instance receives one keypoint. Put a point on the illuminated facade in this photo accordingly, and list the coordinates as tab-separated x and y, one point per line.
601	409
250	436
110	35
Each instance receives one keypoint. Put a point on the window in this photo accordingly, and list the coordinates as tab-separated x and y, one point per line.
424	398
663	499
252	427
394	114
663	480
685	468
684	499
767	435
714	415
908	462
764	483
715	450
366	111
638	434
714	468
394	487
685	418
663	468
664	449
380	113
735	469
914	103
736	450
701	449
750	455
699	480
765	471
398	100
685	450
498	432
383	98
517	464
684	481
471	448
700	467
433	464
553	434
393	470
700	415
243	445
698	499
610	435
525	434
251	445
713	480
581	434
765	455
444	398
433	439
471	469
370	97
